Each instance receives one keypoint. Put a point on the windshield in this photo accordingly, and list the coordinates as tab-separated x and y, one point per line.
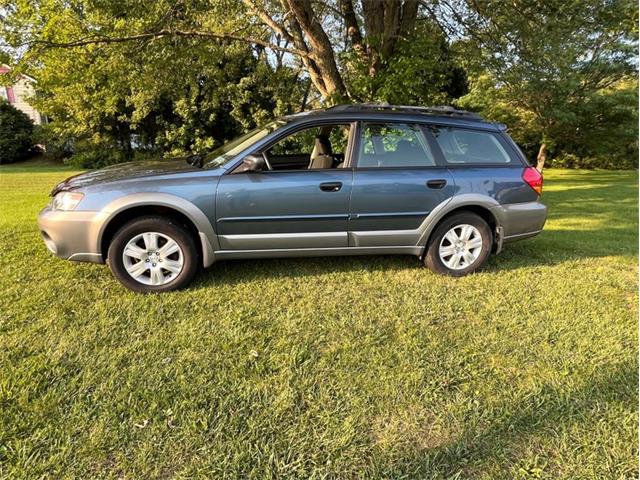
226	152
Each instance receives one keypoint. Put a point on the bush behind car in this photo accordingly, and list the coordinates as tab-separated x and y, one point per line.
16	134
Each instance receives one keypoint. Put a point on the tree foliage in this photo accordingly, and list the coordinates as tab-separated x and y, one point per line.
184	76
177	94
186	99
16	133
325	38
557	72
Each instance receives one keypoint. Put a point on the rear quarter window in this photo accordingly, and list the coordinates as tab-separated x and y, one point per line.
462	146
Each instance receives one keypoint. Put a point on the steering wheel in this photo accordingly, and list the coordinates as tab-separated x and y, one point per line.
266	161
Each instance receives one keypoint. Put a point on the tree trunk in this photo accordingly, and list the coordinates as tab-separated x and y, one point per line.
305	97
351	24
542	157
320	50
385	22
373	12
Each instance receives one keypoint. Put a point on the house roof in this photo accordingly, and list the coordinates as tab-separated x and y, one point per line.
6	68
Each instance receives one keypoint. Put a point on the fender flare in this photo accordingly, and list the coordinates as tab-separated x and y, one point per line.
459	201
207	234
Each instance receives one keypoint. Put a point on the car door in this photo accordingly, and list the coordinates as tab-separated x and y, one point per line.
284	208
397	182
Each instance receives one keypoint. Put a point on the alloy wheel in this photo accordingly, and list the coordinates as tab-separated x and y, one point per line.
460	247
153	258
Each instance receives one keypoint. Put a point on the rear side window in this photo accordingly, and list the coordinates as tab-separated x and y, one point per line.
394	145
461	146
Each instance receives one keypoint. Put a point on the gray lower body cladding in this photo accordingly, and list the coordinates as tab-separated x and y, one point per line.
75	235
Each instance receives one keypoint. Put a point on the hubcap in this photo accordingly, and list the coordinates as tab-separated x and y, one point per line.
153	258
460	247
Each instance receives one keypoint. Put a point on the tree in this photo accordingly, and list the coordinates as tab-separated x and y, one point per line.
187	99
185	76
559	73
16	133
423	71
544	66
176	94
324	37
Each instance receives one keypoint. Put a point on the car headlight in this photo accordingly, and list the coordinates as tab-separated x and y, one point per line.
66	200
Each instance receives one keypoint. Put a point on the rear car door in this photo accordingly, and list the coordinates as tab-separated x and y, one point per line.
296	205
397	182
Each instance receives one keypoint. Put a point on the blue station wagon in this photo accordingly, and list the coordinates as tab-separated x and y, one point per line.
438	183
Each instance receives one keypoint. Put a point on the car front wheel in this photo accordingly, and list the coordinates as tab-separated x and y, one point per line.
153	254
460	245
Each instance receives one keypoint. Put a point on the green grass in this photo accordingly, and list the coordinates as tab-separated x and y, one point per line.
364	367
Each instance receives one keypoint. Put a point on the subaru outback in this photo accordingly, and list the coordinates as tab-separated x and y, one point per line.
438	183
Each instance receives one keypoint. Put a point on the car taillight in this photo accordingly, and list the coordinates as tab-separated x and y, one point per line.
533	178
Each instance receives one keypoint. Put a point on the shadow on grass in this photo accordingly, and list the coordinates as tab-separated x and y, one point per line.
537	252
551	409
241	271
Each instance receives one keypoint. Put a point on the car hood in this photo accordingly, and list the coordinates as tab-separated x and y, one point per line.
122	171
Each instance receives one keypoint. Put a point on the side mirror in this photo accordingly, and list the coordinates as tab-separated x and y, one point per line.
253	163
195	160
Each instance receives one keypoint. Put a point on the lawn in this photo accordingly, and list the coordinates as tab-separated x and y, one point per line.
364	367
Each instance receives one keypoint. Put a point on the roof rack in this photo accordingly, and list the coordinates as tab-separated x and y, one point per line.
436	110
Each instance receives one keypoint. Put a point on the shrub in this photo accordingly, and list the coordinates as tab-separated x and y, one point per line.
97	157
16	134
139	155
56	146
103	156
569	160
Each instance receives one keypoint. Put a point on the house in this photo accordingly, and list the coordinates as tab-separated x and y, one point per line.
18	93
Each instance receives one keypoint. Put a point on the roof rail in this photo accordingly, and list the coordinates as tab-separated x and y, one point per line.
436	110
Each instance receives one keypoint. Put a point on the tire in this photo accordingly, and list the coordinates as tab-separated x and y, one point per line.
155	265
442	253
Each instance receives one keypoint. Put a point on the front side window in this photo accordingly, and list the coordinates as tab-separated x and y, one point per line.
394	145
460	146
314	148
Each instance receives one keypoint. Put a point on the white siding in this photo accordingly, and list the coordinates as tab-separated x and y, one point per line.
22	90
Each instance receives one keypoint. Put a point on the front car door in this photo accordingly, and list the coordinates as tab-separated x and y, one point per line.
397	182
302	203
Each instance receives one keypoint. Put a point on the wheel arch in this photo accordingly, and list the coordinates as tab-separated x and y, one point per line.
177	208
483	206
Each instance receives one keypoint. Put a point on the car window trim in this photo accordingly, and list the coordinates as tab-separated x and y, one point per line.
354	138
291	131
437	154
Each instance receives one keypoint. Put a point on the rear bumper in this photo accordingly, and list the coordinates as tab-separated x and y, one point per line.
72	235
520	220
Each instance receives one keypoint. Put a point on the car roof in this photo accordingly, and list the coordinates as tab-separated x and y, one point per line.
443	115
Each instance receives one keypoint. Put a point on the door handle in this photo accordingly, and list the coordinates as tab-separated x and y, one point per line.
440	183
331	186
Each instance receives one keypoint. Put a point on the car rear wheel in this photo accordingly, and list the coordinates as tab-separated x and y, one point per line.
460	245
153	254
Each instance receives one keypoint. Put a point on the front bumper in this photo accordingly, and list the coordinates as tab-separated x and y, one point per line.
72	235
